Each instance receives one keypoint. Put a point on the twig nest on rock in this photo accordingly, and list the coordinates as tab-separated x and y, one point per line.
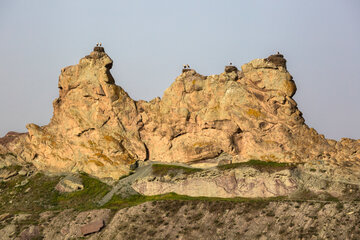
229	69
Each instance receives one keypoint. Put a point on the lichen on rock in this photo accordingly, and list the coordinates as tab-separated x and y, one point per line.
248	114
94	126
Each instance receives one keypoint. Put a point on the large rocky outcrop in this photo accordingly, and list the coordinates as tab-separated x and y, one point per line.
247	182
94	127
253	179
247	114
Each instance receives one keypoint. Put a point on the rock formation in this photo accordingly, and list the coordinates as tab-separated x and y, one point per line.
249	114
94	127
247	182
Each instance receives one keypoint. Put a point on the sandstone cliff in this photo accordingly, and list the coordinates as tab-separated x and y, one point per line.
240	114
94	127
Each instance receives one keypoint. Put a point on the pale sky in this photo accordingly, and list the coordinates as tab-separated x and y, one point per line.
149	42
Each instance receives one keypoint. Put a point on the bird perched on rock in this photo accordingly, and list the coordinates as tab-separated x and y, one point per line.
184	66
187	65
100	44
97	44
230	63
277	53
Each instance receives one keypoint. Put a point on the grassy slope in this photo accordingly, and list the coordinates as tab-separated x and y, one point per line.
258	164
39	194
172	170
117	202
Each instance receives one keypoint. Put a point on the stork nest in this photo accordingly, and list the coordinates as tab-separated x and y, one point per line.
277	59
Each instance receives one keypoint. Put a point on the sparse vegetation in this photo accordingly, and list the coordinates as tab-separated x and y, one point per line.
339	206
118	202
258	164
12	168
87	198
39	194
162	209
172	170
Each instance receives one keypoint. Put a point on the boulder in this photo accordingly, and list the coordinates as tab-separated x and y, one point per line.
92	227
32	232
8	232
72	224
23	172
70	183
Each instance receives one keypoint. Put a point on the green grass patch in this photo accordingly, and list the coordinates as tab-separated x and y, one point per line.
12	168
258	164
172	170
40	195
118	202
93	191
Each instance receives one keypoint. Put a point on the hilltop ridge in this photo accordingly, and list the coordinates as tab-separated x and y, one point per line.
200	120
217	157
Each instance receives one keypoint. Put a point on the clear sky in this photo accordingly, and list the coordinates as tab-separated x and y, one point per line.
149	42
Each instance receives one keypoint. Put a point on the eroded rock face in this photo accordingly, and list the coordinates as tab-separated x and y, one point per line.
249	180
249	114
246	182
94	127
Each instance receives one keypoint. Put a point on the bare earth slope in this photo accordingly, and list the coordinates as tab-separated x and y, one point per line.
198	220
227	220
